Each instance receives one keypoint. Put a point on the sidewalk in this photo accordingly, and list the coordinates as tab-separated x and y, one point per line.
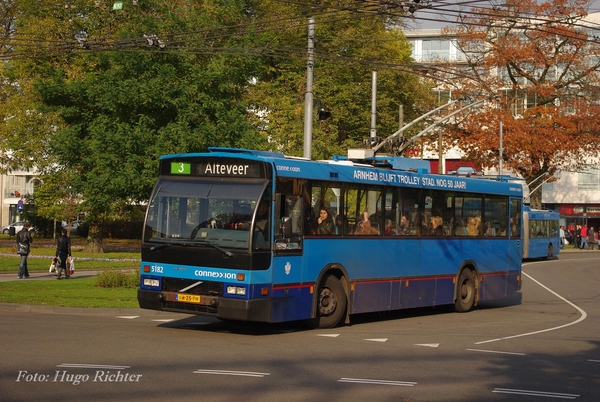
44	275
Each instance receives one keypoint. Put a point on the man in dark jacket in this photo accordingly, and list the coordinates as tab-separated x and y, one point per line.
24	241
63	251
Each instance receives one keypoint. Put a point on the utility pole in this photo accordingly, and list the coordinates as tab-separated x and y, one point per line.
500	150
400	116
374	105
308	100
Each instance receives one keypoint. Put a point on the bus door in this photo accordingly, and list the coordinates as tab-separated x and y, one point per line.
291	298
526	238
288	244
515	248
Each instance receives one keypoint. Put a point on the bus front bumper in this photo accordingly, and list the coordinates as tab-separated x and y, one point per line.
258	310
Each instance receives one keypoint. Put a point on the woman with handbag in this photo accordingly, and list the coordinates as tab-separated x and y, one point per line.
24	241
63	251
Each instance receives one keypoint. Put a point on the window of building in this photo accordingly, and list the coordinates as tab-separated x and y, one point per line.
436	49
588	179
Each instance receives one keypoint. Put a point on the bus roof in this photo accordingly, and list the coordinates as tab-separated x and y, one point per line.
379	170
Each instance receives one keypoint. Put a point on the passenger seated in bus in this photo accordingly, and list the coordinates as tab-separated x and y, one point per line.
490	231
390	229
405	229
473	225
437	228
364	227
324	223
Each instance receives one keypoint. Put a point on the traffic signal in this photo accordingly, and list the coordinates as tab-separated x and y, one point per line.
323	114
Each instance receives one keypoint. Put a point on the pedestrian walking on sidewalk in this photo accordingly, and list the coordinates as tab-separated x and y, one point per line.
562	237
63	251
24	241
584	235
591	238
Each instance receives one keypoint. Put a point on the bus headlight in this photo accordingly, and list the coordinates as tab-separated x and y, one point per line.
236	290
154	283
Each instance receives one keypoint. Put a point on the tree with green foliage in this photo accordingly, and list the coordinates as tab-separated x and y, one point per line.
122	107
351	41
116	88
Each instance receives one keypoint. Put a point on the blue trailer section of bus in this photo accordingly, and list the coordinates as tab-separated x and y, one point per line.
541	236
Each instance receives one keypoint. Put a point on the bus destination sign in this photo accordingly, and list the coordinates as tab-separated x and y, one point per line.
216	167
180	168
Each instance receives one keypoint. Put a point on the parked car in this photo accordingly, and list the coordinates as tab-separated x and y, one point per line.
74	227
17	225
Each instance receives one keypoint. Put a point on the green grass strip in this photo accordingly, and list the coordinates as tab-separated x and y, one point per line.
74	292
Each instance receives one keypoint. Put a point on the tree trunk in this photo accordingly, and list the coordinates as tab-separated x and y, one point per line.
94	239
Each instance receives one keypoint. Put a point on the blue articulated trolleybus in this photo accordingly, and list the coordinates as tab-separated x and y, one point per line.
257	236
541	238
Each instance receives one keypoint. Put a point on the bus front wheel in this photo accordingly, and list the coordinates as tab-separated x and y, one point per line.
465	298
331	303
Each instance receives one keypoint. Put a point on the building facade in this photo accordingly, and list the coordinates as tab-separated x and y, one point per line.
15	188
576	195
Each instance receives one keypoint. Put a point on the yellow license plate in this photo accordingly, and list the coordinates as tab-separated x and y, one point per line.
187	298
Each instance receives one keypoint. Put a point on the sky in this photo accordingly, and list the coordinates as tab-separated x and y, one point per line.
443	13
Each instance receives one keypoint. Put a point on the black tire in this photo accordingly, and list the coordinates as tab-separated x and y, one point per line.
331	304
465	291
550	252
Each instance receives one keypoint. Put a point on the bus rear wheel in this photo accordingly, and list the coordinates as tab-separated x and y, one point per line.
331	303
465	298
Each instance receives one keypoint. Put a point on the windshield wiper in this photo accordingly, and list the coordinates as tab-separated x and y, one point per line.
159	246
226	253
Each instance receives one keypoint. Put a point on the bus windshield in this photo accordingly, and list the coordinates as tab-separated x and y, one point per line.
188	212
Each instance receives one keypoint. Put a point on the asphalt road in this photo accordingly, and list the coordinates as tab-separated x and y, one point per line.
539	345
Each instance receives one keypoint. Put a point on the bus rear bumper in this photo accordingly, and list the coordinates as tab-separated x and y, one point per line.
258	310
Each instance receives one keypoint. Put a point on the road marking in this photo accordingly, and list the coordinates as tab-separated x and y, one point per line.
329	335
128	317
92	366
377	340
227	372
165	320
429	345
496	351
534	393
595	361
378	382
583	317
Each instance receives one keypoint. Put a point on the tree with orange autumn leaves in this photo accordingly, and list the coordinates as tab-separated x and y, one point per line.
540	69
